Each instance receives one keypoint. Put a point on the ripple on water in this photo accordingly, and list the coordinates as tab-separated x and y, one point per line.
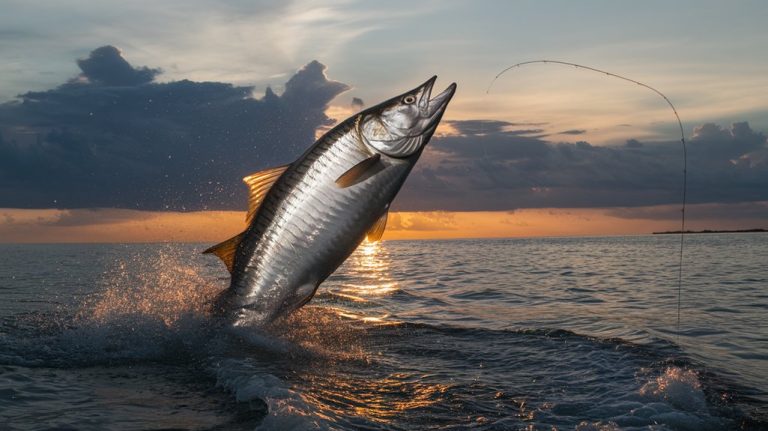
392	342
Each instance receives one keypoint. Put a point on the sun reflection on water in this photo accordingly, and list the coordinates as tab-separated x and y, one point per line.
381	400
367	278
370	264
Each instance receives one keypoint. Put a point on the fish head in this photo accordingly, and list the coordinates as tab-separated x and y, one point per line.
402	126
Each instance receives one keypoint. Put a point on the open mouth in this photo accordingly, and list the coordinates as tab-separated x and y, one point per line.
433	108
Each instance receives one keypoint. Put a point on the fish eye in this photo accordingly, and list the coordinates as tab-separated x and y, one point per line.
409	99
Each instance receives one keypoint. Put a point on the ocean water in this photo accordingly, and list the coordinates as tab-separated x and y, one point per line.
508	334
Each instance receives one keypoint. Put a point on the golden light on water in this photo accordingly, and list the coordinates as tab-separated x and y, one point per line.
369	274
370	263
381	400
340	330
369	248
363	318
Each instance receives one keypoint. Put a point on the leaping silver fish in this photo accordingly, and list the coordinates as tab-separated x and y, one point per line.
305	218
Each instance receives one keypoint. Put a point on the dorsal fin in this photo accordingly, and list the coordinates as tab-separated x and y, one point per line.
360	172
377	230
259	184
226	250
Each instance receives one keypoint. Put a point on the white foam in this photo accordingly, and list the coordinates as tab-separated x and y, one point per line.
679	387
287	409
676	399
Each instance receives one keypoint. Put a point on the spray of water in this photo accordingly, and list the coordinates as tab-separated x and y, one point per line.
163	288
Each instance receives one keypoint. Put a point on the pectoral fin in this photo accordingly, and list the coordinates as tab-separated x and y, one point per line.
360	172
226	250
259	184
377	230
301	296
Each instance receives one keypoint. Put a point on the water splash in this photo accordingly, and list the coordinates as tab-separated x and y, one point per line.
163	288
679	387
149	306
324	332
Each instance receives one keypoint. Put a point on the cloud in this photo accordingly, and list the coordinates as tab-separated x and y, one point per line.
712	211
573	132
107	66
116	225
311	80
116	139
240	42
425	221
732	142
96	216
487	166
492	127
357	103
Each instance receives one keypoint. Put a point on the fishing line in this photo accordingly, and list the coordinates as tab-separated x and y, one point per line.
682	142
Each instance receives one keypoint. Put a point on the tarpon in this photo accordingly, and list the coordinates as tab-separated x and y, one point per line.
305	218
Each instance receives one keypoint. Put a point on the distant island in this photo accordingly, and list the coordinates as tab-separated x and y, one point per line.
711	231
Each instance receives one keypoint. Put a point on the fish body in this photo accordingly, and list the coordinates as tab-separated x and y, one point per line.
306	218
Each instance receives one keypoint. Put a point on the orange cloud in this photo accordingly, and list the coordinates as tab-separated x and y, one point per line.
115	225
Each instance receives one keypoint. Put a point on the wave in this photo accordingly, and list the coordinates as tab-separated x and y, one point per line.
318	370
341	366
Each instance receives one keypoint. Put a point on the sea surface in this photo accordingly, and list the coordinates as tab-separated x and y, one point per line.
507	334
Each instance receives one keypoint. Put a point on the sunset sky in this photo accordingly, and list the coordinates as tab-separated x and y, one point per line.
135	121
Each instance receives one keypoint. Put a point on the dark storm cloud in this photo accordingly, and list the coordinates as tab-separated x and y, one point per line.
492	127
503	169
114	138
311	89
740	210
573	132
107	66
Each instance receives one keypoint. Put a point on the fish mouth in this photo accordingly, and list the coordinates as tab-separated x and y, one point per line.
433	108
